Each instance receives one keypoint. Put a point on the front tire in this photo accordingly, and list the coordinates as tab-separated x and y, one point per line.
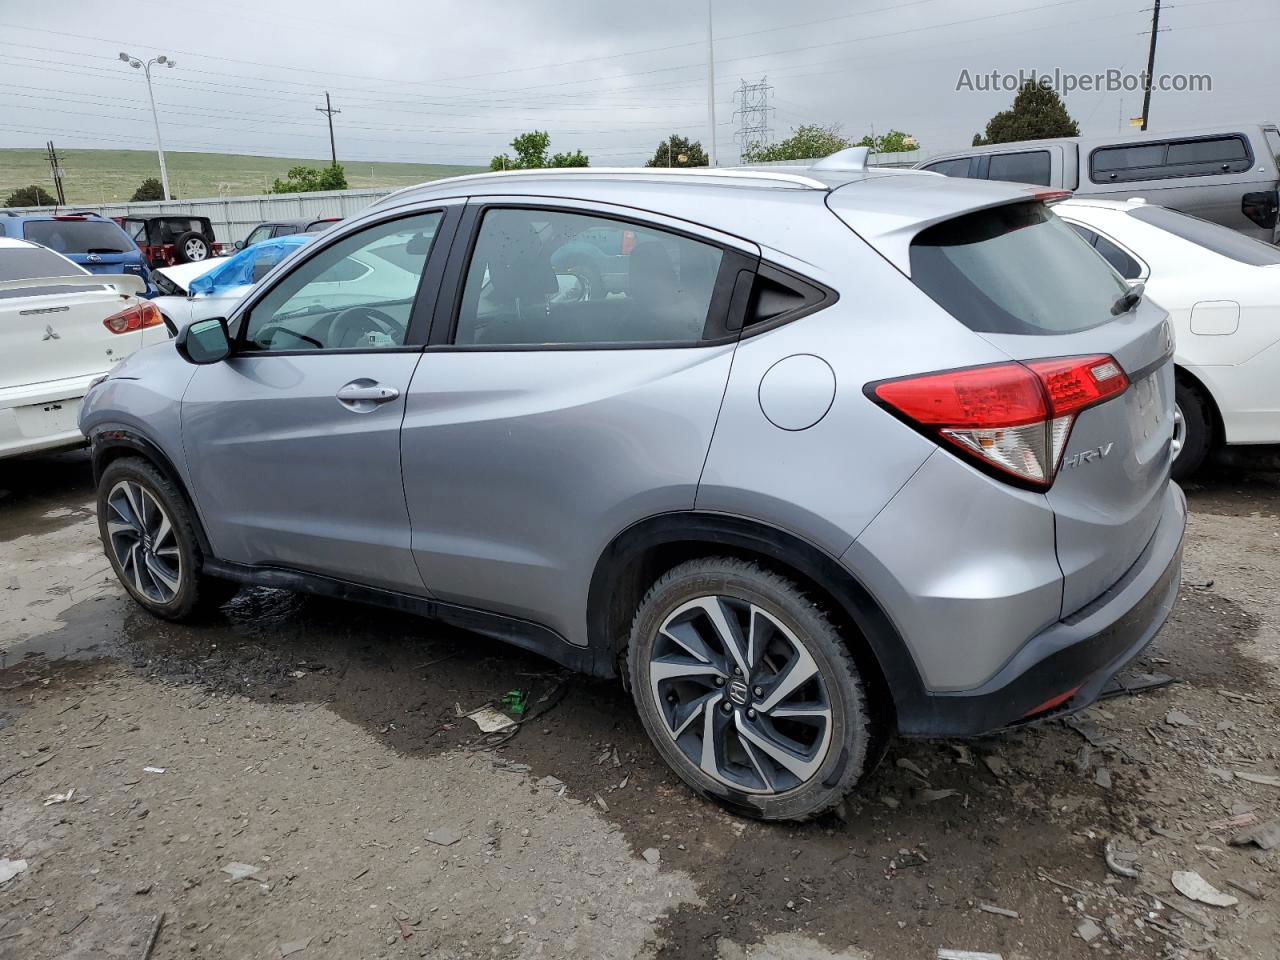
1194	427
148	533
748	691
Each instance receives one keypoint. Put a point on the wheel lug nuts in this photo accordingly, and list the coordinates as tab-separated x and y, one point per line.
719	681
737	671
757	691
727	707
751	714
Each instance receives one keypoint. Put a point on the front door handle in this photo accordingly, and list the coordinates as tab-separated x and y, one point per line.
364	395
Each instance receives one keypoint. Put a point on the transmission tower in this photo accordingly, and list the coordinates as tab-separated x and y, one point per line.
753	113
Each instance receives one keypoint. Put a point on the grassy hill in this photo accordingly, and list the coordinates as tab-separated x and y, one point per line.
103	176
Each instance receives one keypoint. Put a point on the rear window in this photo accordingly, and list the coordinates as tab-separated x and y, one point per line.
1029	167
1015	269
1212	236
25	263
79	236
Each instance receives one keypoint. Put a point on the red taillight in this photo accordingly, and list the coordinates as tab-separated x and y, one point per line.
1014	417
137	317
1051	196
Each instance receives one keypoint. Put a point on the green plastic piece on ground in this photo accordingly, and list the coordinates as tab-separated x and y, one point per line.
514	700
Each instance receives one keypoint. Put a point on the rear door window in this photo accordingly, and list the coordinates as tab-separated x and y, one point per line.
1014	269
958	167
541	277
1030	166
1212	236
79	236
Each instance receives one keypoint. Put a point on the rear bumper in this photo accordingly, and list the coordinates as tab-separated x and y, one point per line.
1077	655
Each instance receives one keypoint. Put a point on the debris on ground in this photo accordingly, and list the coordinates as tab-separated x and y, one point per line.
241	871
932	796
515	701
1264	835
53	798
1176	718
550	782
490	720
997	766
1263	779
651	855
912	767
10	869
999	911
153	769
946	954
1088	931
294	946
1127	684
1122	862
1102	777
1195	887
444	836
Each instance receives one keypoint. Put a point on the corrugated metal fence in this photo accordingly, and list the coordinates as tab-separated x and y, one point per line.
234	217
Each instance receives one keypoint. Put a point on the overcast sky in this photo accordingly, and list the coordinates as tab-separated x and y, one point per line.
452	81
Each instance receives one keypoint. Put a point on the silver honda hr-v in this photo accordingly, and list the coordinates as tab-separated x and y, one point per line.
806	459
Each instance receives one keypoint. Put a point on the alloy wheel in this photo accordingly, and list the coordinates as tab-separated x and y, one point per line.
144	542
196	250
740	695
1179	430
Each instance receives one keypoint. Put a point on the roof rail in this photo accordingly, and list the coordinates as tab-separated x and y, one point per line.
764	177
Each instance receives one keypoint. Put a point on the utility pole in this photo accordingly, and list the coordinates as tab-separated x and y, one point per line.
711	87
138	64
55	167
329	111
1151	65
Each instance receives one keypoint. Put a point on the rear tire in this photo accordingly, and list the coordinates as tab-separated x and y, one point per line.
1195	427
148	533
775	753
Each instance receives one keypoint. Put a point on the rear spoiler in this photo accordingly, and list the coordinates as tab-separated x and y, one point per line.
123	283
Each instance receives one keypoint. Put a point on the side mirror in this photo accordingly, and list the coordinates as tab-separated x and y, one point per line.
239	244
204	341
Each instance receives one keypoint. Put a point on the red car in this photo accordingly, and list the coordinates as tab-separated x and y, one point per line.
165	241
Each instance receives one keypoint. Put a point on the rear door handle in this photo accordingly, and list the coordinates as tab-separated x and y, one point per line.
363	395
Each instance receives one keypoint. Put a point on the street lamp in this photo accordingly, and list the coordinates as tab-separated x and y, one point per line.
145	67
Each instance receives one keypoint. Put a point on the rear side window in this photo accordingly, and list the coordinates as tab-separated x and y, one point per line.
1014	269
79	236
1273	144
1029	167
25	263
543	277
1212	236
950	168
1124	264
1197	157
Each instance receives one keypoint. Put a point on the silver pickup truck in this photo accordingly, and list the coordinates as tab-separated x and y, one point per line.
1227	174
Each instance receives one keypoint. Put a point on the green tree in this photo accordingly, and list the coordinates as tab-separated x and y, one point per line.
673	148
32	196
1037	113
808	141
149	189
311	179
531	154
895	141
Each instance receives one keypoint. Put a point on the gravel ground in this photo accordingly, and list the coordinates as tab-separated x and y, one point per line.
318	746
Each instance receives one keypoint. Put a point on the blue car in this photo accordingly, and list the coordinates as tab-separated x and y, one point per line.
89	239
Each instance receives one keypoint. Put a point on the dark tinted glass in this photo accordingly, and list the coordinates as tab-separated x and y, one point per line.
25	263
1014	269
1202	151
1088	235
79	236
1127	158
1030	167
1212	236
1273	144
951	168
542	277
1125	265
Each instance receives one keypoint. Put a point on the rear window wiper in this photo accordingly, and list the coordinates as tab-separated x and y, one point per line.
1127	301
103	250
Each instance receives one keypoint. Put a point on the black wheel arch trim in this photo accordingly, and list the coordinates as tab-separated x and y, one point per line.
106	441
882	639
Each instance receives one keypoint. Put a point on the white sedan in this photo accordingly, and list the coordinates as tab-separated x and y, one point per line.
1222	290
61	328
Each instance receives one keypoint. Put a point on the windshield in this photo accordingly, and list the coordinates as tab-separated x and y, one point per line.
1212	236
1015	269
246	267
79	236
26	263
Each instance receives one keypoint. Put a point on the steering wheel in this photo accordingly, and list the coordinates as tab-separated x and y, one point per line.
354	322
